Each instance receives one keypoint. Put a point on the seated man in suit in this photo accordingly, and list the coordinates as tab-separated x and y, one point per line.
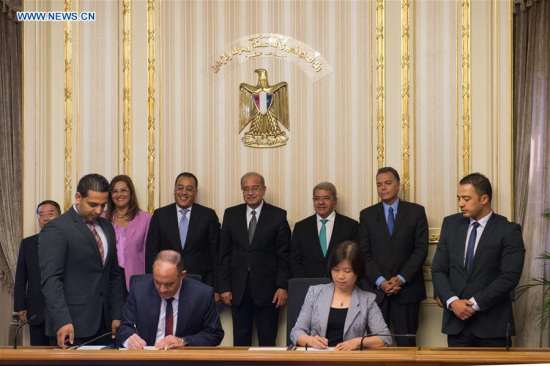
168	310
185	226
314	237
28	300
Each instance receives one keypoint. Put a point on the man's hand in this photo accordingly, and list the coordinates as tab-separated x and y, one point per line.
397	284
22	314
65	331
169	342
389	288
280	297
348	345
438	301
135	342
217	297
462	309
226	297
114	326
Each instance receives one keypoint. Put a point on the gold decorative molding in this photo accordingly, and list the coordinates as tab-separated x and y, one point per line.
380	84
405	95
433	238
150	105
68	110
127	85
466	102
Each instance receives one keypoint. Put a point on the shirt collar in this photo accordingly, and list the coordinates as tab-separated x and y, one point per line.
257	209
330	217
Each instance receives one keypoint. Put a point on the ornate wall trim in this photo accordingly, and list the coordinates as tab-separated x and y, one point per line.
405	95
466	102
68	107
380	84
127	84
150	105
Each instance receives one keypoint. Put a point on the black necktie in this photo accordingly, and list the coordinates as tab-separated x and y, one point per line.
471	247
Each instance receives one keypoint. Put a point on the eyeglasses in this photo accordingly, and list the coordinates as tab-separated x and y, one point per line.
321	198
123	191
47	214
251	189
186	189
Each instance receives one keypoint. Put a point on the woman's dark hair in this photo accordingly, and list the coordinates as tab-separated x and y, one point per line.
348	250
133	206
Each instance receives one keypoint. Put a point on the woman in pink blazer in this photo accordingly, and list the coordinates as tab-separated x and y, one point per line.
131	226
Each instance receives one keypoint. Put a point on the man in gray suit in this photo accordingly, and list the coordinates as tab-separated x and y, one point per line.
477	265
81	279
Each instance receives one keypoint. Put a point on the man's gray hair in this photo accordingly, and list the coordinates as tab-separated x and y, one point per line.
326	186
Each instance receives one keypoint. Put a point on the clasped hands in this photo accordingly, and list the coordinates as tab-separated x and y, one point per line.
391	286
279	299
135	342
462	309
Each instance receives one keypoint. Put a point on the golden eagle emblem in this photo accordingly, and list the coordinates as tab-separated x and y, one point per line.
264	107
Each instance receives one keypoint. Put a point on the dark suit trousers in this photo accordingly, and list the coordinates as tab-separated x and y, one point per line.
466	338
403	317
38	335
244	315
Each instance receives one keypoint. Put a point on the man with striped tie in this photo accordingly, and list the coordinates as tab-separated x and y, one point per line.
81	279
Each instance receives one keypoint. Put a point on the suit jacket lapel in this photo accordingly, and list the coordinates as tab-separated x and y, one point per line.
461	242
402	213
154	314
173	224
483	240
381	217
183	309
314	235
323	305
193	222
353	311
84	229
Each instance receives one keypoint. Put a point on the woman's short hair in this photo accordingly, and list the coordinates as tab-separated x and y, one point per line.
348	250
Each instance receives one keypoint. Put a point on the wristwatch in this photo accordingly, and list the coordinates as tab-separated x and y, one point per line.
184	341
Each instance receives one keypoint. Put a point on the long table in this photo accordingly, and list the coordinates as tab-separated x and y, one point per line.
216	356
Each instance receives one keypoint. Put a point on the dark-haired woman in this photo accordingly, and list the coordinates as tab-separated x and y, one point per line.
131	226
337	314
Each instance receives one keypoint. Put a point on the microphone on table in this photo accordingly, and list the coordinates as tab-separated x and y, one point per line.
19	327
91	341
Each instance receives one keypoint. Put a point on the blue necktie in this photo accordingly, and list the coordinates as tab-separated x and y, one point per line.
391	220
323	237
471	247
184	226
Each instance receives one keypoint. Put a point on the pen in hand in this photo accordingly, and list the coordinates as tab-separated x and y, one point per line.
135	328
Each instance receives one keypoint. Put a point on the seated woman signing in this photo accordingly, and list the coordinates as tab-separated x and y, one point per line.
338	314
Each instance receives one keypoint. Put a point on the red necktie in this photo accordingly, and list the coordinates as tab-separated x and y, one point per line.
169	319
99	242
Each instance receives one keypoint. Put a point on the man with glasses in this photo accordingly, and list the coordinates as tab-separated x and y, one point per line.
254	263
28	300
314	237
188	228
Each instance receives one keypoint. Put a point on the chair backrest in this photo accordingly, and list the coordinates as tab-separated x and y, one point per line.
297	291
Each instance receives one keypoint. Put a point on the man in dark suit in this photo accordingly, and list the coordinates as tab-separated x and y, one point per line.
191	229
314	237
394	235
477	265
254	263
81	279
168	310
28	300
